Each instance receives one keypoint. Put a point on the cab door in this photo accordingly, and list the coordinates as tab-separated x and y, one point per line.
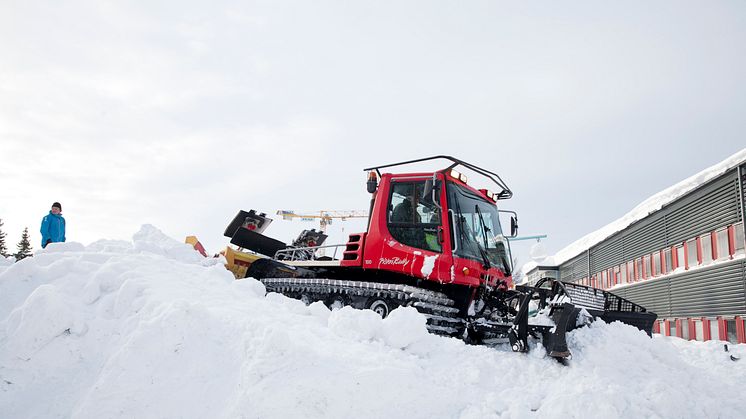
416	225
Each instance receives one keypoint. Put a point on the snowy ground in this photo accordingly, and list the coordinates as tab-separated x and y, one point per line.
148	329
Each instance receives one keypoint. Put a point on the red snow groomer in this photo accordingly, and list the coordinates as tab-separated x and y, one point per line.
435	243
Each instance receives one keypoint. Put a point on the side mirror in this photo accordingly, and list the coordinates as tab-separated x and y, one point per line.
513	227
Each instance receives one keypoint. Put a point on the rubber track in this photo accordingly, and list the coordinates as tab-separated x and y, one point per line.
442	317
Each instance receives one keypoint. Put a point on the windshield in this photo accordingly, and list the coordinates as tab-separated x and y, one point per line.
477	233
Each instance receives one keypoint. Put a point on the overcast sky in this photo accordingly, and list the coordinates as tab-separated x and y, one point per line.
179	114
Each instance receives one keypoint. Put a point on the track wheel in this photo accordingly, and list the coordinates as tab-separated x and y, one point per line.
306	299
380	306
335	302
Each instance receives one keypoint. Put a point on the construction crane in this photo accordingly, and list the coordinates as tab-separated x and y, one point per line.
325	217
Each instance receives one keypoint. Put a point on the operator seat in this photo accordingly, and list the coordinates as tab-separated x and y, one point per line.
409	229
405	213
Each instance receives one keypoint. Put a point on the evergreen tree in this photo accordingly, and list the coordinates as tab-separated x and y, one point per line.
24	246
3	246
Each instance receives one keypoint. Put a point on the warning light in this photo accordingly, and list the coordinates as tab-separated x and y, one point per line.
458	175
372	182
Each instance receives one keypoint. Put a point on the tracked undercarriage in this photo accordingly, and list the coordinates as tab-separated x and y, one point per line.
546	312
442	317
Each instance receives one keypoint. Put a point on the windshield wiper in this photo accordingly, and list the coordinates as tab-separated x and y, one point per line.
481	248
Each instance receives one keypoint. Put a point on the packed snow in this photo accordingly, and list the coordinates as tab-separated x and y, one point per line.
150	329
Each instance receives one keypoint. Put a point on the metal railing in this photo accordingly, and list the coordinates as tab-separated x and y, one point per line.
305	253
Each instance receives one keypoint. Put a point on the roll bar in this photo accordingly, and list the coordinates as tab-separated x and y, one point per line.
506	193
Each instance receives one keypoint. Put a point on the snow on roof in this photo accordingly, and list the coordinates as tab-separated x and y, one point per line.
650	205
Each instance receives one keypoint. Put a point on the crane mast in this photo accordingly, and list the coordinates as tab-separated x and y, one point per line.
325	217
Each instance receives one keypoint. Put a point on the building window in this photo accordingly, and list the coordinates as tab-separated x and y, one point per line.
691	253
706	241
699	329
630	271
685	329
721	239
680	257
638	269
623	273
669	262
646	271
657	264
739	237
731	325
714	333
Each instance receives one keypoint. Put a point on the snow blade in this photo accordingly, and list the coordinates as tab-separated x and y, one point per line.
566	301
608	307
563	314
554	341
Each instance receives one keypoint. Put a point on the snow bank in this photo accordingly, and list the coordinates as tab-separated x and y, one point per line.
5	262
146	329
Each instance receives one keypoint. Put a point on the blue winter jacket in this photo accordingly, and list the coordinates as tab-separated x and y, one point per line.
52	228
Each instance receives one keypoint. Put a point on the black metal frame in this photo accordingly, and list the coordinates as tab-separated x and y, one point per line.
506	193
598	303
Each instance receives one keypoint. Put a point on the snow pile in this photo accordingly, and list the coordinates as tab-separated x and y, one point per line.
652	204
145	329
5	262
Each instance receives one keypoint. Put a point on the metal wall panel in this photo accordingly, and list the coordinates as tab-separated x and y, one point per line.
654	295
712	207
575	268
718	290
714	291
644	237
608	253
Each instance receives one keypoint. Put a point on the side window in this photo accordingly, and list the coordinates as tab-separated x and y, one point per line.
413	219
691	250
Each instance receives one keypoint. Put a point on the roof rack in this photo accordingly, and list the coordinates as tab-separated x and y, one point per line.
506	193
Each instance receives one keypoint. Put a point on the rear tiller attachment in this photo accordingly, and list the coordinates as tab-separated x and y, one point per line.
548	311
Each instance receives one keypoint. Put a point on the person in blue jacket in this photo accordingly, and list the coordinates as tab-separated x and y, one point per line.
53	226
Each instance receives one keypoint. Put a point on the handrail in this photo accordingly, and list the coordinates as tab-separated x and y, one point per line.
291	252
504	194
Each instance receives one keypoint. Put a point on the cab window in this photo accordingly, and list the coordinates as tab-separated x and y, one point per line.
413	219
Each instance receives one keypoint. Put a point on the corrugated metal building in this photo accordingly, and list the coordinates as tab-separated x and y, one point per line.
684	262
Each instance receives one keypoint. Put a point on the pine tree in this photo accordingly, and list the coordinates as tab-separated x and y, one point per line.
3	246
24	246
